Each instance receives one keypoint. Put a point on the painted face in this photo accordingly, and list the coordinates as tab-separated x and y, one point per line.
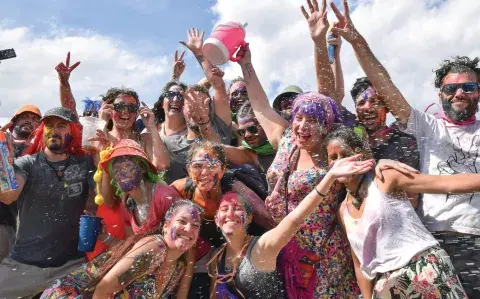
460	105
308	131
181	232
336	150
286	106
124	119
25	124
126	173
231	215
371	111
238	95
173	101
206	170
57	135
252	131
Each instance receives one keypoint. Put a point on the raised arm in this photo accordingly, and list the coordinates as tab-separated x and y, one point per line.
154	146
272	123
66	97
178	66
318	26
241	155
220	98
146	255
339	93
374	70
273	241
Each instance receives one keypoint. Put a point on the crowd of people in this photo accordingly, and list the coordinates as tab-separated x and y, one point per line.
215	193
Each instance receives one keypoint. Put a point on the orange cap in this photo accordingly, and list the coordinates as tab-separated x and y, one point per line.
27	108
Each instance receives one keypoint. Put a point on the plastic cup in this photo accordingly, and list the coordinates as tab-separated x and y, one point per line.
90	227
90	126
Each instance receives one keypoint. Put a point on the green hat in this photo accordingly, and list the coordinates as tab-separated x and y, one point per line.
287	91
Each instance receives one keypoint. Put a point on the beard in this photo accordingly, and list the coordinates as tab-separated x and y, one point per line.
22	132
459	115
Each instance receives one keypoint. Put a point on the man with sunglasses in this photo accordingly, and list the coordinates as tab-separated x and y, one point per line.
447	145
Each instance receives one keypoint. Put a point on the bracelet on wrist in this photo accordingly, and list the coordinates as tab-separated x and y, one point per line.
202	124
320	194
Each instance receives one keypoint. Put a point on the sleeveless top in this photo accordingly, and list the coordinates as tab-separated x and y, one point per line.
387	235
253	284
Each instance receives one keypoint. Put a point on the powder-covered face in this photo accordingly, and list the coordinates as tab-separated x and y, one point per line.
248	126
57	134
459	106
127	173
308	132
336	150
205	170
25	124
232	217
124	119
238	95
173	101
182	231
371	111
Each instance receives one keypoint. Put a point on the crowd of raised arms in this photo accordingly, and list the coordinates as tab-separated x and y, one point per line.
216	193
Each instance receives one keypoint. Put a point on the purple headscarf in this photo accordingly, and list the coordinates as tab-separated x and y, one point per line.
319	106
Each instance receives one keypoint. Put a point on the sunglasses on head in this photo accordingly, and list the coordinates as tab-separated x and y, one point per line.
119	107
171	95
250	129
469	87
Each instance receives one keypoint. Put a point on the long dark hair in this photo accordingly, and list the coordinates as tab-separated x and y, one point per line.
119	251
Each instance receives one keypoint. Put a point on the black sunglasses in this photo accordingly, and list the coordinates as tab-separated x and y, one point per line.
172	94
119	107
250	129
469	87
239	92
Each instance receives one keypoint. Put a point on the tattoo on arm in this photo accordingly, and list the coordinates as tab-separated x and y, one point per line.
200	58
249	68
141	263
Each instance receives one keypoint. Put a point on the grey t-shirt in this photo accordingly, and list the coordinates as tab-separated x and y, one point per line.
178	146
49	208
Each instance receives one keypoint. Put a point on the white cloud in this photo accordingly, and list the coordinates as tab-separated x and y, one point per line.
409	37
31	79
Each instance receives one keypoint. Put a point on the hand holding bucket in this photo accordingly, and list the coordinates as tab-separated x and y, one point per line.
224	42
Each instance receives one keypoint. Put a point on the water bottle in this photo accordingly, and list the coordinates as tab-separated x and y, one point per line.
8	181
331	48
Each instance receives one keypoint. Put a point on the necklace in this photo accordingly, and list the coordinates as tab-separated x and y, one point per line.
61	169
357	200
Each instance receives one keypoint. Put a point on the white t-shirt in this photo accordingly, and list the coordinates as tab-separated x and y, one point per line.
447	149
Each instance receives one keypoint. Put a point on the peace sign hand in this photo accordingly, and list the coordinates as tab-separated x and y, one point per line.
344	27
64	70
178	65
317	21
195	41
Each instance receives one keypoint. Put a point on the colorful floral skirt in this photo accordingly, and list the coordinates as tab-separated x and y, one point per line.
430	275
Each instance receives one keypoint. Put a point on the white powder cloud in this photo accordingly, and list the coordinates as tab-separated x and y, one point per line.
410	37
31	79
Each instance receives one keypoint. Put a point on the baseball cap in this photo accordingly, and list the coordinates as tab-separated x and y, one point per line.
26	108
62	113
287	91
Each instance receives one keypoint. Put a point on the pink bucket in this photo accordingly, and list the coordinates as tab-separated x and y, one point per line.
224	42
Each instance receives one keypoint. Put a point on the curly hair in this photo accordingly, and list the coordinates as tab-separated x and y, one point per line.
114	92
158	110
359	86
351	139
235	80
460	64
200	88
245	111
217	149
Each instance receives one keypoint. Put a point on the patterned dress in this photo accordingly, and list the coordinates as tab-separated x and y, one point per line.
335	273
72	286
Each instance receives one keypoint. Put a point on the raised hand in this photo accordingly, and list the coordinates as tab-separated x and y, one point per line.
335	40
246	55
350	166
106	112
317	20
64	69
147	116
385	164
195	41
6	127
344	27
178	65
217	77
197	107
